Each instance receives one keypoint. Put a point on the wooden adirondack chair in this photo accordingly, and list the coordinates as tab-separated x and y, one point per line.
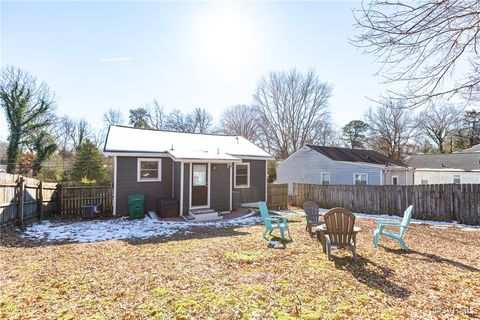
311	210
402	228
273	222
339	225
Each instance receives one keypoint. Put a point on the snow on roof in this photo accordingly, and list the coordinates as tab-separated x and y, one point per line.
445	162
125	140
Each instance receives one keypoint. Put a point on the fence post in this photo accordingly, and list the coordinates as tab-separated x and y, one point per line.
20	197
59	198
40	199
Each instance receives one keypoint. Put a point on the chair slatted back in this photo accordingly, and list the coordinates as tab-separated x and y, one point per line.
311	210
339	223
264	212
407	216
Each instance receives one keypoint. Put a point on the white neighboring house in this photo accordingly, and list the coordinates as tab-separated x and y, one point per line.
3	168
341	166
462	167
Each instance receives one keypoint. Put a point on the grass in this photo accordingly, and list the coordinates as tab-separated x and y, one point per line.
231	274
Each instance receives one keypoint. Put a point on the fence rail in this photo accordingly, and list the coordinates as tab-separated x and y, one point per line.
24	198
277	196
73	198
442	202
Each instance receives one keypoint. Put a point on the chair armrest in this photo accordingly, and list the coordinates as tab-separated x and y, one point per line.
388	223
284	219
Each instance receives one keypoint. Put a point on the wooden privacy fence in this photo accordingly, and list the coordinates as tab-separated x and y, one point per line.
277	196
25	198
442	202
74	197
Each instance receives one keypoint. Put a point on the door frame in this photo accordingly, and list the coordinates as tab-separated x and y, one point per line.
207	206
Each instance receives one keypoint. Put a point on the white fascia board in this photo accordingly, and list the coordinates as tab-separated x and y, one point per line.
137	154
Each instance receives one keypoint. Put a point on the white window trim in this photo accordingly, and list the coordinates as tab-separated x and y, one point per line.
329	177
159	160
235	175
459	178
359	173
397	180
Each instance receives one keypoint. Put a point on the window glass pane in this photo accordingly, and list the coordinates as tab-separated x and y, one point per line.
424	181
326	178
149	174
456	179
360	179
394	181
199	175
242	169
242	180
149	165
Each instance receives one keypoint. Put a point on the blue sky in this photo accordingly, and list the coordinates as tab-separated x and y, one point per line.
98	55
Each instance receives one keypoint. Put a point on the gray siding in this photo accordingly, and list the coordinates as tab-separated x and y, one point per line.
307	165
219	186
127	184
258	178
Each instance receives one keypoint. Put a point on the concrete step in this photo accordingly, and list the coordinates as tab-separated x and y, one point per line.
201	215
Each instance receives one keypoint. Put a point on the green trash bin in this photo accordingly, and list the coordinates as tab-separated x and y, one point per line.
136	206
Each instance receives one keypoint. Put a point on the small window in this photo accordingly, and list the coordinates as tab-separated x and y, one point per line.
326	178
424	181
394	181
242	175
456	179
360	178
149	170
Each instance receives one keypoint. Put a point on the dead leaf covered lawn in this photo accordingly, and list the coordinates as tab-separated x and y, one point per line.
230	273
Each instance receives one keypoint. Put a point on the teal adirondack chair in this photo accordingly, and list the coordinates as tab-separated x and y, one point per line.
402	228
273	222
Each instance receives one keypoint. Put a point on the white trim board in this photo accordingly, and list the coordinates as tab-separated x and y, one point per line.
235	175
115	168
159	173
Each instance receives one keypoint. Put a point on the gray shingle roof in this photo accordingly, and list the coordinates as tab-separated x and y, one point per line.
463	161
354	155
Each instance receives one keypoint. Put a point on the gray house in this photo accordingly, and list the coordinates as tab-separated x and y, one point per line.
199	171
340	166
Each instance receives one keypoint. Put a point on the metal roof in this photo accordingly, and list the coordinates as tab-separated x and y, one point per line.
462	161
354	155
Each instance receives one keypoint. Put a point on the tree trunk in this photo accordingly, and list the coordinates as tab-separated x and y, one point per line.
13	156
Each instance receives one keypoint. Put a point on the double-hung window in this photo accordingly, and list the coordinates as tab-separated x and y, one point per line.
149	169
326	178
456	179
360	178
242	175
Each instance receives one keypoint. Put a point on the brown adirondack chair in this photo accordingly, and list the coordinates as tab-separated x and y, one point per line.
339	231
311	211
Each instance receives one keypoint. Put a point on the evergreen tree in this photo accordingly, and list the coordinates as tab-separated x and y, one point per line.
88	163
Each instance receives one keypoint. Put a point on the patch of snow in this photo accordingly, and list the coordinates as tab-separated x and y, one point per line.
118	229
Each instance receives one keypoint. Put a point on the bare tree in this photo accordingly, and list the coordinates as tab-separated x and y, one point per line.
421	43
438	123
391	129
292	106
177	121
242	120
156	115
113	117
200	121
81	132
26	104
